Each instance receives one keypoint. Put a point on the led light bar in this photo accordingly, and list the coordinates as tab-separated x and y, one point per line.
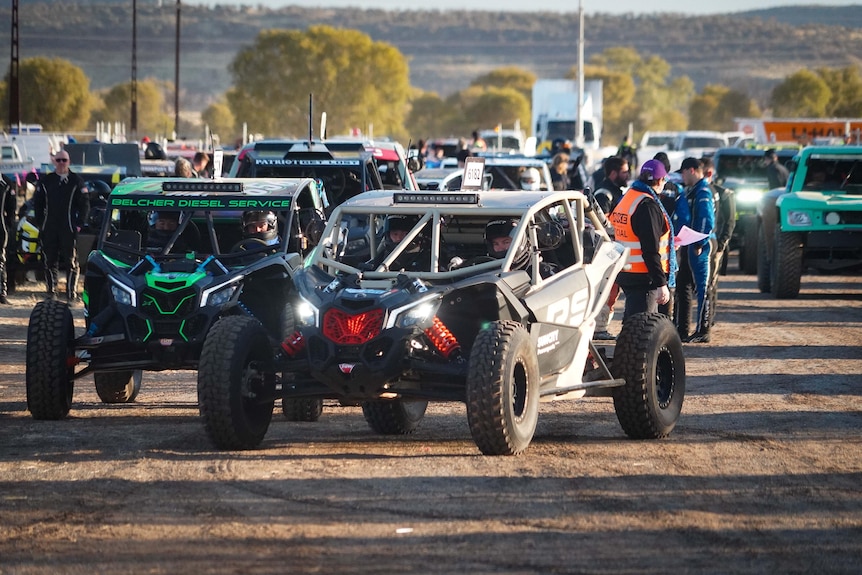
420	198
183	186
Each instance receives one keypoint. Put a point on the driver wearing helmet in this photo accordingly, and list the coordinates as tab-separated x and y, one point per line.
261	225
499	235
416	256
162	225
530	179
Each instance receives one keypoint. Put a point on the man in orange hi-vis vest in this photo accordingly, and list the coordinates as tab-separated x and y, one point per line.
642	225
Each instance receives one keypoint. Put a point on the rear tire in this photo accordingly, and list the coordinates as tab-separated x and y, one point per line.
503	389
50	360
394	417
786	264
649	356
235	398
118	386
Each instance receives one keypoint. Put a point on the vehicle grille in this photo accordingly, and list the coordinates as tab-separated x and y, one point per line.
352	329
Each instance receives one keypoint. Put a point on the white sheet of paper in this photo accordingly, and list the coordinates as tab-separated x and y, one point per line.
688	236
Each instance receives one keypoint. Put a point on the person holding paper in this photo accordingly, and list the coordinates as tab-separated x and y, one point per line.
641	224
695	257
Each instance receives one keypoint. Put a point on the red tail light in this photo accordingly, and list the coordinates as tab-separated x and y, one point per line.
347	329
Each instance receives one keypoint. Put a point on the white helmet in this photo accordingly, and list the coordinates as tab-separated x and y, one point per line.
530	179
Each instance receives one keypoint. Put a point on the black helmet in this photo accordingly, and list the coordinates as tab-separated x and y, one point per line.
99	190
154	151
159	237
501	228
402	223
252	220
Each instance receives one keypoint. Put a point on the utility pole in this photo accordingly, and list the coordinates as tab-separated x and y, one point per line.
579	133
177	78
14	97
134	88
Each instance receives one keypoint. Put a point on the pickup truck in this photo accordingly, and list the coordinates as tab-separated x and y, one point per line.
814	222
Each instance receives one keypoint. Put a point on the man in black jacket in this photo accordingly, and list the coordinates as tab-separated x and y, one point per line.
61	203
725	222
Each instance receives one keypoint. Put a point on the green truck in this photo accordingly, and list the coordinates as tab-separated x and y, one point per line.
814	223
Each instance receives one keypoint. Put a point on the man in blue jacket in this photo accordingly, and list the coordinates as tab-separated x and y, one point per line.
693	273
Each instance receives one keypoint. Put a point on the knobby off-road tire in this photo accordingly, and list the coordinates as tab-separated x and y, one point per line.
118	386
648	355
304	409
230	387
50	360
394	417
786	269
763	264
748	251
503	389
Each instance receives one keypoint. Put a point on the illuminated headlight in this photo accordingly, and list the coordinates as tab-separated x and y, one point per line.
419	313
219	297
795	218
306	314
748	196
122	295
833	218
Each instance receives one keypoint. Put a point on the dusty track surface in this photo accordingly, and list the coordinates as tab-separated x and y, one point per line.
763	473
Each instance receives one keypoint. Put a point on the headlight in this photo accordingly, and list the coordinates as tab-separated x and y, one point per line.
420	313
306	314
122	295
748	196
220	297
795	218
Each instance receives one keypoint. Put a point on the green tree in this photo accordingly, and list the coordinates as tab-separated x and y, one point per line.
54	93
511	77
429	117
152	116
221	121
802	94
716	107
357	82
846	87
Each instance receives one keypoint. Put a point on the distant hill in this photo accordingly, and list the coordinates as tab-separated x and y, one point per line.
750	51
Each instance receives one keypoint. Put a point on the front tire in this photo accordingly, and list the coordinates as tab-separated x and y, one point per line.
503	389
118	386
50	360
786	264
763	279
394	417
748	250
235	398
649	356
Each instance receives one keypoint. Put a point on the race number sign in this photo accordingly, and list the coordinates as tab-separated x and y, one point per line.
474	170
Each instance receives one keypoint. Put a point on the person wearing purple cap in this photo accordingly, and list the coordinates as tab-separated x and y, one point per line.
642	225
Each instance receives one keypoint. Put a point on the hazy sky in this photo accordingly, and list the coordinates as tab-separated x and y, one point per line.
590	6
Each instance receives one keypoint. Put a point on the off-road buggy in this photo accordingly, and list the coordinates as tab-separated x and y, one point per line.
150	297
500	335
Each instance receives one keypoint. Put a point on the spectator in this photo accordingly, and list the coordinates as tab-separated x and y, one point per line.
61	204
725	221
627	152
695	258
642	225
8	205
478	143
608	195
183	169
201	165
775	172
560	171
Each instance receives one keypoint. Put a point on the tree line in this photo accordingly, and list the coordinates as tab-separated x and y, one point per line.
362	83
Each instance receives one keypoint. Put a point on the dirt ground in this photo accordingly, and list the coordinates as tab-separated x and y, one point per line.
763	473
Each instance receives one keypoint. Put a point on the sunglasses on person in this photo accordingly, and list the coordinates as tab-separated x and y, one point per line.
61	160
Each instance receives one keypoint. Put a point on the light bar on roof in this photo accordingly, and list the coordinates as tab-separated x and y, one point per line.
183	186
420	198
